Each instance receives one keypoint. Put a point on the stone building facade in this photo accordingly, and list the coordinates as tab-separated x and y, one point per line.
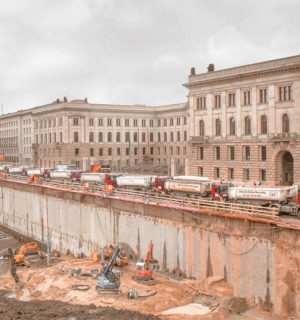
244	122
87	134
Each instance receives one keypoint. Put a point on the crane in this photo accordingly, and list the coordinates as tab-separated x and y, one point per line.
109	280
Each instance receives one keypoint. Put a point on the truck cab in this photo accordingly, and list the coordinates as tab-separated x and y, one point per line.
219	191
159	183
111	179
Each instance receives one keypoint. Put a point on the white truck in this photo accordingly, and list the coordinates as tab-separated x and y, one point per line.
188	187
143	182
278	197
60	174
35	172
15	170
93	177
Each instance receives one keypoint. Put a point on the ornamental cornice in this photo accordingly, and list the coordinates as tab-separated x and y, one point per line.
241	76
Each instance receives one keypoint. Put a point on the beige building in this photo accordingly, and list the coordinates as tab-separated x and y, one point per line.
86	134
244	122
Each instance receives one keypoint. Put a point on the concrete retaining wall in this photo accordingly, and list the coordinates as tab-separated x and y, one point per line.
257	261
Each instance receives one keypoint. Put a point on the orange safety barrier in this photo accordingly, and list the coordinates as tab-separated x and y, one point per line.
36	179
109	188
3	175
86	186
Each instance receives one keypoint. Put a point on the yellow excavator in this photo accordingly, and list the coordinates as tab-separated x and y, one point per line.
19	257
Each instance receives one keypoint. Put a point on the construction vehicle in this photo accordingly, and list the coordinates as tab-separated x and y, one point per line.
188	187
97	178
136	182
109	280
143	272
19	257
106	253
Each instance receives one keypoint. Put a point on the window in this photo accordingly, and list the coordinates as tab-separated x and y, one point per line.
285	93
143	137
217	173
75	136
135	122
165	122
144	151
91	152
200	153
109	137
217	101
127	137
231	99
172	136
247	97
75	121
171	150
60	137
151	136
201	103
126	122
143	123
91	122
230	173
185	135
263	175
263	153
200	171
158	137
246	174
218	127
135	137
76	152
231	153
109	151
247	125
158	122
100	136
262	95
232	126
109	122
178	150
60	122
165	136
285	123
217	153
151	123
91	137
178	135
185	120
263	124
118	122
246	153
184	150
118	151
201	128
135	151
100	122
178	121
151	150
171	122
100	151
118	137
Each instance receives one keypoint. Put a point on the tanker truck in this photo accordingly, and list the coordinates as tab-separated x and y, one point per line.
97	178
35	172
60	174
136	182
188	187
276	197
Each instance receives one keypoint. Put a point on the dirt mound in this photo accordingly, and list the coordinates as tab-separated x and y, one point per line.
37	310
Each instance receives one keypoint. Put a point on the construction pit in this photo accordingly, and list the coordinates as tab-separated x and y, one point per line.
49	289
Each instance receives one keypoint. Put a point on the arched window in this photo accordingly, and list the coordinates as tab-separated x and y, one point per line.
247	125
232	126
135	137
91	137
75	136
118	137
100	136
127	137
201	128
109	137
158	137
151	136
285	123
218	127
264	124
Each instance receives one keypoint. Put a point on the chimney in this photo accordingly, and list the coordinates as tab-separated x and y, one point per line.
193	71
57	101
85	100
211	67
65	99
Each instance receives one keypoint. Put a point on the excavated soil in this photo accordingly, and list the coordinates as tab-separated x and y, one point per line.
11	309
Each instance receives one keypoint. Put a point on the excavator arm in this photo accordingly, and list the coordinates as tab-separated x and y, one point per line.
32	246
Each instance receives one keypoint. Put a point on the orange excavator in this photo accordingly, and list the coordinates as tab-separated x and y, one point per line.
108	251
28	248
143	272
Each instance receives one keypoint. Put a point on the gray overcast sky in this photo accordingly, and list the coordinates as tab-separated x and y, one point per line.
132	51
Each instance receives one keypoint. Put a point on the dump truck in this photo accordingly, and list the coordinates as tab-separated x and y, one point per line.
188	187
98	178
136	182
60	174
